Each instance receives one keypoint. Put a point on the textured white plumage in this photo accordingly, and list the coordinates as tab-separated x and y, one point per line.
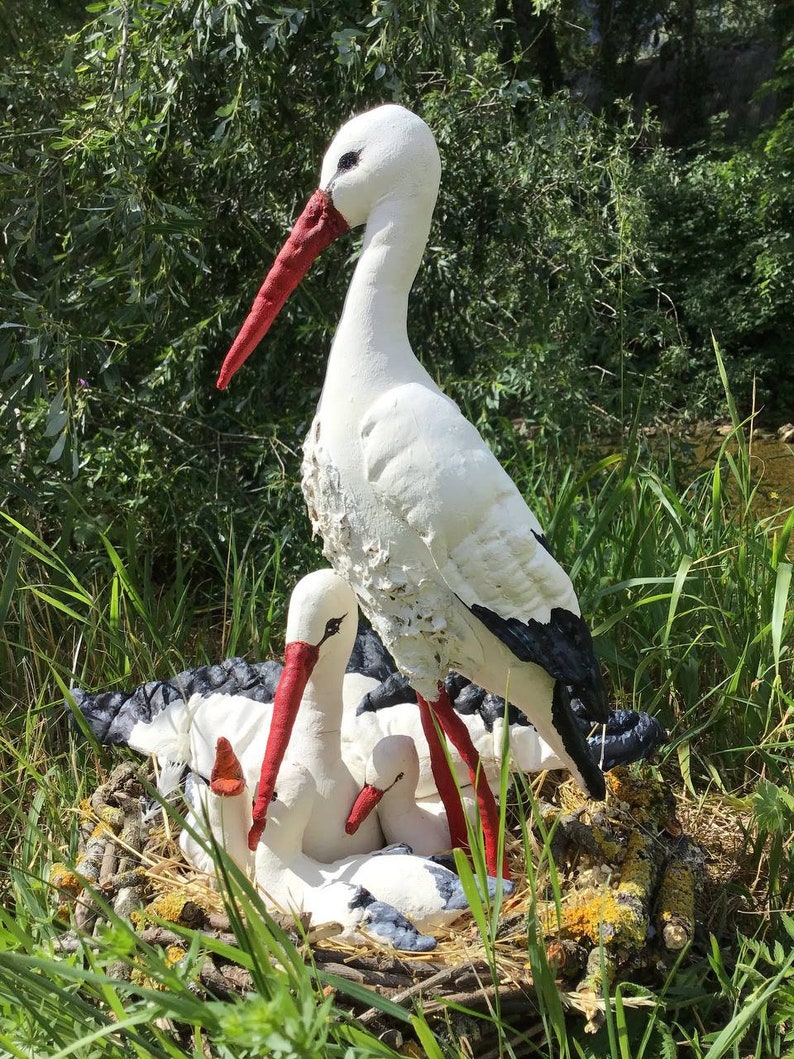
293	881
446	560
364	893
455	495
413	508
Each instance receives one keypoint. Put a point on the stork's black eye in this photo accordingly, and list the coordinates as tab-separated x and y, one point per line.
349	160
332	627
274	796
394	782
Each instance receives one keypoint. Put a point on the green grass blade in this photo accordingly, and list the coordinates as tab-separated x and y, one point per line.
782	585
740	1023
426	1037
675	596
9	582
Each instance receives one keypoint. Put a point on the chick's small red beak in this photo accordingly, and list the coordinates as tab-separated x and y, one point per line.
226	778
366	800
299	660
315	229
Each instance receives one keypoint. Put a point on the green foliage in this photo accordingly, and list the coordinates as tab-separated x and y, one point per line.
551	315
153	168
154	157
725	257
694	594
773	808
722	243
759	994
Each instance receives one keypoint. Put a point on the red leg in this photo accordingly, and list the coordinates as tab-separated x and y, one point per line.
445	781
455	728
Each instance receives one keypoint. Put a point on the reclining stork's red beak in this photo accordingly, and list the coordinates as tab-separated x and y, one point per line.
226	779
366	800
299	660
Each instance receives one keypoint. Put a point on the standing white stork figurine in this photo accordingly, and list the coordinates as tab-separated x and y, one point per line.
416	513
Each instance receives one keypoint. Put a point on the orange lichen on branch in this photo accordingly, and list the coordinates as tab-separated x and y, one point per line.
174	954
175	907
111	818
610	902
65	879
67	885
644	794
619	916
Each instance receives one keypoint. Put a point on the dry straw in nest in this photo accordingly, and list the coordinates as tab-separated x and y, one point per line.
628	877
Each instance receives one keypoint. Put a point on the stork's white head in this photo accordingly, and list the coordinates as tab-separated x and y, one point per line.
394	762
321	630
323	613
392	773
386	153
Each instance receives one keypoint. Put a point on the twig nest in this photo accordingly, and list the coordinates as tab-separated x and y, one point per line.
628	880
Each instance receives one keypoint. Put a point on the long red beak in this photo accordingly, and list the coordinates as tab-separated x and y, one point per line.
368	797
227	778
299	660
315	229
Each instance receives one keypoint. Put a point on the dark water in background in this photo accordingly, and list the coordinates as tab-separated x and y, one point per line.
771	470
771	467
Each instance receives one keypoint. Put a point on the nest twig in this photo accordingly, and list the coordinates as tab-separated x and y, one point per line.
629	879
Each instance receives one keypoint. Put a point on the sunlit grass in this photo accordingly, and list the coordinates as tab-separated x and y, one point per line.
689	592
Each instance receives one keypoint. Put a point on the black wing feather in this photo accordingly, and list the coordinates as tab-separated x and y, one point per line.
562	646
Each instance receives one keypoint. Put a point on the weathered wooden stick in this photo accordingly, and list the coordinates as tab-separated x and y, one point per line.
675	904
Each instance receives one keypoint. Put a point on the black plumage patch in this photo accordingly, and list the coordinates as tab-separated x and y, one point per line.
493	709
468	699
562	646
541	539
627	736
112	715
388	924
369	656
564	721
392	691
454	683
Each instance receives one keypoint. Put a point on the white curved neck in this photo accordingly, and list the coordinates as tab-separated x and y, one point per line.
371	342
321	708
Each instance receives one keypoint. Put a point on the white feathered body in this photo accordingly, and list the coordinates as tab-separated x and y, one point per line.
414	510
